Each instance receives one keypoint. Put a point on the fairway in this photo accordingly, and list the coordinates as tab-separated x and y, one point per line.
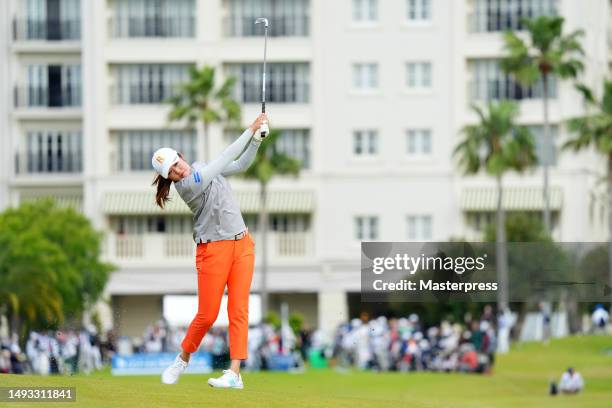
520	380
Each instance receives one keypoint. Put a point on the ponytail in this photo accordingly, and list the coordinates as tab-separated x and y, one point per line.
163	190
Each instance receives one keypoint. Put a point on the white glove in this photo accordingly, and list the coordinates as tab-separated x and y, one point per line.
262	129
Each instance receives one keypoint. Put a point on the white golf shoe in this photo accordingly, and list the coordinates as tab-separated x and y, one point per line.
173	372
229	379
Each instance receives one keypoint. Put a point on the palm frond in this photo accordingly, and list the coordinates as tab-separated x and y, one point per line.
495	143
586	92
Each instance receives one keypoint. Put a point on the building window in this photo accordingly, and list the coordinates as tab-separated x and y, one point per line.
495	15
147	83
418	75
366	228
136	147
294	143
289	222
50	152
288	18
419	10
153	18
419	227
418	142
50	86
285	82
365	11
138	225
490	82
48	20
538	137
365	142
365	76
279	223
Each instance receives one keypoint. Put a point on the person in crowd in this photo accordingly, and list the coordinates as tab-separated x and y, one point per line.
600	319
571	382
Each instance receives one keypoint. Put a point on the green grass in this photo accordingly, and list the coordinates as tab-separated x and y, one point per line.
520	380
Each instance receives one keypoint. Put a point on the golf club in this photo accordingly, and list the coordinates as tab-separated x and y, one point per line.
263	82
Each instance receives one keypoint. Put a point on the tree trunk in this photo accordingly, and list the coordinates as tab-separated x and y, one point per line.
501	259
610	222
17	328
263	224
206	144
13	322
546	147
574	318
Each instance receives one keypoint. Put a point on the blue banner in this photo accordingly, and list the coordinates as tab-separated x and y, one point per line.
280	362
156	363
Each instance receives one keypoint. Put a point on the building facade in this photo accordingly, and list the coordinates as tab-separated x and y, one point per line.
370	95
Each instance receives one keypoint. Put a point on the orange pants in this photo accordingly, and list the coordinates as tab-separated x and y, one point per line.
219	263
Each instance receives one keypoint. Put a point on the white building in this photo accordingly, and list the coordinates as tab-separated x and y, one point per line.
370	94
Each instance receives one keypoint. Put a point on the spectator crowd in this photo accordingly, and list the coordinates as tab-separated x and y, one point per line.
59	352
405	345
383	344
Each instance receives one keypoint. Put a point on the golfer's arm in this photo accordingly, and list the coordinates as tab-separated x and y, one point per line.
215	167
190	187
244	161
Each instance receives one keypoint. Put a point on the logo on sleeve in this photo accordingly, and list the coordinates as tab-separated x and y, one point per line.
196	177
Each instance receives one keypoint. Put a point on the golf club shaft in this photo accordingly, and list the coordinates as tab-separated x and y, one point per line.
263	85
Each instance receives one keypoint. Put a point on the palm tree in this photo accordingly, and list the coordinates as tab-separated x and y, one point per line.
269	162
199	101
595	129
547	54
29	271
497	145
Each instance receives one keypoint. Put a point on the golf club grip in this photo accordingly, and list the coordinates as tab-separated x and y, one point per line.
263	110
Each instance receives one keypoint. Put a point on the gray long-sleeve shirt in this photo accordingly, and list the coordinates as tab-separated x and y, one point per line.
208	194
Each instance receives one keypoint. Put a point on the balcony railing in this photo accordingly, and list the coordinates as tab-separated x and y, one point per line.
153	27
289	244
151	93
496	89
287	26
48	162
488	16
29	96
46	30
154	247
150	246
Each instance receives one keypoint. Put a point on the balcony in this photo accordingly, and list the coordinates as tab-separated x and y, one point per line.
47	167
142	94
152	27
48	163
495	17
43	97
46	30
505	88
297	25
160	248
43	103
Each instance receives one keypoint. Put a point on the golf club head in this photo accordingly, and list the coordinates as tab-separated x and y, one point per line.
262	20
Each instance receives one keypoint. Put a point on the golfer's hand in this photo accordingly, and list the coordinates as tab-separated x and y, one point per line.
263	117
260	126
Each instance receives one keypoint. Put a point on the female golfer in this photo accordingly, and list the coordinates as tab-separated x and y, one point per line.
225	249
